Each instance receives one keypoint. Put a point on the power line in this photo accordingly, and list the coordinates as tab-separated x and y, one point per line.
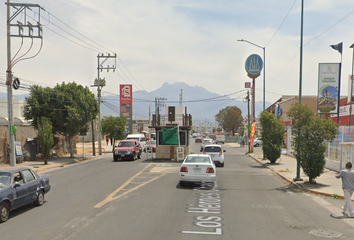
286	16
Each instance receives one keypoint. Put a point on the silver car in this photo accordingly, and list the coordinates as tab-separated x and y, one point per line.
216	153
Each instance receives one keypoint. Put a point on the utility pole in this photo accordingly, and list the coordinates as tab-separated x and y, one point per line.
25	30
158	104
249	122
100	83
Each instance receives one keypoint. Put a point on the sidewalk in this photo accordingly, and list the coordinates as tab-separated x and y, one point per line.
84	152
286	166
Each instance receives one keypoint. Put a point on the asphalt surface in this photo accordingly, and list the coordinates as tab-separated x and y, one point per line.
102	199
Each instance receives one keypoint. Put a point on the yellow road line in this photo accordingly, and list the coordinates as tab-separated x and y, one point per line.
111	196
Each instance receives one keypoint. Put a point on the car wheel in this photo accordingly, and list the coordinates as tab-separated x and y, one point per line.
4	211
115	158
256	145
139	155
40	199
182	184
221	164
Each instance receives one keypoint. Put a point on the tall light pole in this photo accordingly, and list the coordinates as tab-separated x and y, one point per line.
351	89
298	167
264	67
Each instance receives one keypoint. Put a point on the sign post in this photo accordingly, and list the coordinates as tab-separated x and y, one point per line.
253	66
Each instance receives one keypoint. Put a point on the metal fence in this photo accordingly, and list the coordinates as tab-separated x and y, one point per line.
344	142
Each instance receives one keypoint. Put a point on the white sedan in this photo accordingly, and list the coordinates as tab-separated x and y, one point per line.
197	168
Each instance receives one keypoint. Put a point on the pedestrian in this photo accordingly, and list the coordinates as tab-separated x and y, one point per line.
347	176
107	140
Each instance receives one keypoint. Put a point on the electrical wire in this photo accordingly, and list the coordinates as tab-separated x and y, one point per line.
286	16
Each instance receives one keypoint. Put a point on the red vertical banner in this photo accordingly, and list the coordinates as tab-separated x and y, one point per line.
253	131
126	99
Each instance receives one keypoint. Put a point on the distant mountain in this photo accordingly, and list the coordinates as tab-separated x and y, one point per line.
201	104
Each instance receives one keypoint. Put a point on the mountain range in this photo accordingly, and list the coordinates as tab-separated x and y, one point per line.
200	103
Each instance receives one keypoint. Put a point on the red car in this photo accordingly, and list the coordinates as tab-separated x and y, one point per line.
198	139
127	149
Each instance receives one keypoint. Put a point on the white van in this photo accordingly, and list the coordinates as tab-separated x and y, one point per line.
140	137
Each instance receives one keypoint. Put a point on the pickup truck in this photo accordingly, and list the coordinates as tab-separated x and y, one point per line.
127	150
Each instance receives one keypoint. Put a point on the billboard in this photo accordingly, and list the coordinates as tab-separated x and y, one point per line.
328	85
126	104
126	100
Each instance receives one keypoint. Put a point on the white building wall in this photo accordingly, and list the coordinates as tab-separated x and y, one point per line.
179	112
18	107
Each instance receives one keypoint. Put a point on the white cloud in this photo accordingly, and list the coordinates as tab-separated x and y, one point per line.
193	41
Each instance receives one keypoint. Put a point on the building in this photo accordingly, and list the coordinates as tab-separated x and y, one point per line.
282	106
174	117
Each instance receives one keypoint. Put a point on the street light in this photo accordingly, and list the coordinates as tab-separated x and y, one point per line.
264	64
351	89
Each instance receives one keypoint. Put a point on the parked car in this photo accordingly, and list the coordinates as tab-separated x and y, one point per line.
20	186
127	149
197	168
206	141
257	142
216	153
150	146
198	140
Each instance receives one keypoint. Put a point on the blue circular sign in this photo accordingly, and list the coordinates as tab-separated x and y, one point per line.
254	64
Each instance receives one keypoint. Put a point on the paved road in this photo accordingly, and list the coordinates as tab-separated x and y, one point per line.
102	199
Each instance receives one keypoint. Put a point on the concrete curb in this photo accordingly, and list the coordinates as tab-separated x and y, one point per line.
75	160
292	182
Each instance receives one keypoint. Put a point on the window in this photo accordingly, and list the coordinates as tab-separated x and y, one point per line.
28	175
18	178
195	159
126	144
212	149
5	178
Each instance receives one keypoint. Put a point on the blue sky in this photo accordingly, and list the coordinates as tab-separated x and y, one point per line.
191	41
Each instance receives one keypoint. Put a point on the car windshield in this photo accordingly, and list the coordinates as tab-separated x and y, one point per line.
197	159
133	138
212	149
126	144
5	179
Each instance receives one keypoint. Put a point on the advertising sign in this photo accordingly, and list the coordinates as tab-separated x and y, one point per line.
254	65
253	131
328	85
18	148
126	100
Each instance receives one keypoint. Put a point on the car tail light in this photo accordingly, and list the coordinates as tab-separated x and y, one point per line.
204	152
184	169
210	170
220	153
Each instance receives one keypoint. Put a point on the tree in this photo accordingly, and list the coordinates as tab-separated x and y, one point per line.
45	138
69	107
310	131
114	127
230	119
272	135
